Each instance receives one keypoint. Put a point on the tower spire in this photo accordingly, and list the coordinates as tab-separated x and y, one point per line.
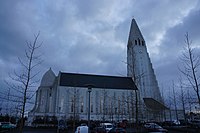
135	32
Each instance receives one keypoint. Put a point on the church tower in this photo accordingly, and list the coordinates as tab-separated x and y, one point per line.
148	99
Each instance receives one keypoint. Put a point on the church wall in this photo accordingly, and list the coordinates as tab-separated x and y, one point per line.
106	104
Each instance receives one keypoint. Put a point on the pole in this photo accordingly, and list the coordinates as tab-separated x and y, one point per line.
89	91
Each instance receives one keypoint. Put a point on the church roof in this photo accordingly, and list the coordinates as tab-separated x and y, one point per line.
96	81
48	78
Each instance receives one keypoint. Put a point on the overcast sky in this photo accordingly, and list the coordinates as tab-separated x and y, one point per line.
90	36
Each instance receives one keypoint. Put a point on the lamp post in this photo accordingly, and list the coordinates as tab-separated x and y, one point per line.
89	86
89	91
59	108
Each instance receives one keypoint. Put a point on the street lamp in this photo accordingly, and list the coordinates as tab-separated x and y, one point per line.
89	86
59	108
89	91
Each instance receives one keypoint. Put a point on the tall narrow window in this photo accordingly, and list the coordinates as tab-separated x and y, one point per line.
116	110
72	105
119	107
91	107
128	105
142	43
101	104
81	104
139	41
135	42
50	92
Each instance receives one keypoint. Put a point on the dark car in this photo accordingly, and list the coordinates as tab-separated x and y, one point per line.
7	125
155	128
117	130
195	123
62	125
99	130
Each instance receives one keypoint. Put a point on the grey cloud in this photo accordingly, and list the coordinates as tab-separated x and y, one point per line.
167	62
174	38
91	36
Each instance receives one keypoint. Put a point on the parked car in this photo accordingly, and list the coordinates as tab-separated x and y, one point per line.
117	130
147	125
107	126
176	122
167	124
99	130
7	125
82	129
171	123
195	123
155	128
62	125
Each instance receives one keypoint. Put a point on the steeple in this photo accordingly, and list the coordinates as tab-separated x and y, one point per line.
135	35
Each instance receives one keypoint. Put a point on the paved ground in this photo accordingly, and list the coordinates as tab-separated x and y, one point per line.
34	130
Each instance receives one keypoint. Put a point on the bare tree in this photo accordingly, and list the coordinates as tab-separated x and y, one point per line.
169	102
75	105
25	80
182	97
105	106
174	100
190	66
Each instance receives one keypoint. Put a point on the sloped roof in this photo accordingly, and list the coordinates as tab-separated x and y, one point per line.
96	81
154	104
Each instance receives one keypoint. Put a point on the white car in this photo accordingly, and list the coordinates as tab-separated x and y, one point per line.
82	129
147	125
107	126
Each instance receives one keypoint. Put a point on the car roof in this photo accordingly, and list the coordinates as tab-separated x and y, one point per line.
106	123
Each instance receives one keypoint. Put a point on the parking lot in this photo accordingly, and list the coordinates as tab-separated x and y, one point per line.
129	130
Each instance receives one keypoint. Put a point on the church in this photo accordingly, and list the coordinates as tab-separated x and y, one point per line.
106	98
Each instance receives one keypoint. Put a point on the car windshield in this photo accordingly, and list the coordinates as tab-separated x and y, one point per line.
108	126
157	126
3	123
83	124
196	121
